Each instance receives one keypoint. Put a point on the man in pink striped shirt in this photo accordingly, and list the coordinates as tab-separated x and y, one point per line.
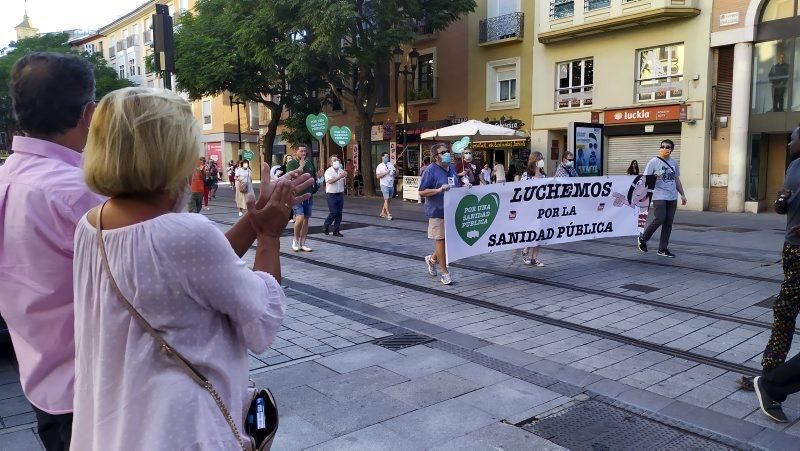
42	197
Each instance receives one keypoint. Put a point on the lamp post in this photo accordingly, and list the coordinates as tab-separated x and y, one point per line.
409	69
238	103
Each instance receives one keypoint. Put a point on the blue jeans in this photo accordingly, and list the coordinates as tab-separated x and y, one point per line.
303	208
335	206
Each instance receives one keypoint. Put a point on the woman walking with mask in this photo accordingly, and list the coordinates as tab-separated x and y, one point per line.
530	255
244	186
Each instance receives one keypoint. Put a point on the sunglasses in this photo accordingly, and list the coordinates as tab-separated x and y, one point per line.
570	159
666	146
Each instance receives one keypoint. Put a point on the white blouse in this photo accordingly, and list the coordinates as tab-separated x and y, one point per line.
181	274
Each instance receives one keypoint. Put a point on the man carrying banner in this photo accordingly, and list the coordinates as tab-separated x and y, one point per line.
437	179
665	198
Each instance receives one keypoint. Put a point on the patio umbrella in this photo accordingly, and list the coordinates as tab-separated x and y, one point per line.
476	131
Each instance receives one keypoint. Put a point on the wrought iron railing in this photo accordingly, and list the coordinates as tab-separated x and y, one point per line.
502	27
592	5
560	9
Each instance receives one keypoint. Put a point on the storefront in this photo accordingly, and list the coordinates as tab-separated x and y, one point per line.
512	154
636	133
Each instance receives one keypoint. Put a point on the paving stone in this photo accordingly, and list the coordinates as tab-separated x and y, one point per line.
478	374
423	362
375	437
357	358
357	383
704	395
295	433
293	376
11	390
431	389
439	423
498	437
19	419
24	440
509	397
508	355
14	406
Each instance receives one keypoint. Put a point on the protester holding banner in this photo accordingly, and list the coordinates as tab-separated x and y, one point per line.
567	166
665	198
438	178
530	255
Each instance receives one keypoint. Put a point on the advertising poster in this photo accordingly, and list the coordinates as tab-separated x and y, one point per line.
214	152
502	217
586	142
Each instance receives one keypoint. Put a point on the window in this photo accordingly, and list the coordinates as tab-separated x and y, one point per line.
506	85
252	115
499	8
574	83
131	67
560	9
424	81
779	9
121	71
592	5
502	84
206	114
775	74
660	73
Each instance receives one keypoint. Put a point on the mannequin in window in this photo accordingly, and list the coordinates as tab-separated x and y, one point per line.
778	77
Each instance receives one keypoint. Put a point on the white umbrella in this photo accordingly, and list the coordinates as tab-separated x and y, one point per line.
476	130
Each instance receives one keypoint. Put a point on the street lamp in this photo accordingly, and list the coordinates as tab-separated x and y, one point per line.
408	70
238	103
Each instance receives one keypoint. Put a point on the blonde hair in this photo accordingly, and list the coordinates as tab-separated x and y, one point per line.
141	142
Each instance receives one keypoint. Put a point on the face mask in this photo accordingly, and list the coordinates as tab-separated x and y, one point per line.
468	156
245	166
337	165
540	164
385	159
664	153
182	200
447	158
569	164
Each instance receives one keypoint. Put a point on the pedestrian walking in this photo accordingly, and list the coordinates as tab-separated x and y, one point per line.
42	197
786	307
132	253
335	177
232	174
633	169
244	186
775	386
535	170
302	212
486	175
386	173
438	178
665	198
567	166
213	173
208	182
198	187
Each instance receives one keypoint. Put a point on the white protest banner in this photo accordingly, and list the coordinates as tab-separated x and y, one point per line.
506	216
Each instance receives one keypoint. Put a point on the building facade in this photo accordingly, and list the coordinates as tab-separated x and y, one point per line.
501	41
640	68
756	45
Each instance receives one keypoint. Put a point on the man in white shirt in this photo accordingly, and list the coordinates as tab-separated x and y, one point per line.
386	173
334	187
499	173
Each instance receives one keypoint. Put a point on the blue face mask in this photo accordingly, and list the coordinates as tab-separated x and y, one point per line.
447	157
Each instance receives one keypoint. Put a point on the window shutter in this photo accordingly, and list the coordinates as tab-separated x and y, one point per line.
722	106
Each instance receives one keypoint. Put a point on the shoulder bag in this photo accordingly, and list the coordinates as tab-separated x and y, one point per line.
261	416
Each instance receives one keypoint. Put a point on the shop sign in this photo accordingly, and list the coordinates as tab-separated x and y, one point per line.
458	120
214	151
376	133
388	131
505	144
513	124
662	113
728	19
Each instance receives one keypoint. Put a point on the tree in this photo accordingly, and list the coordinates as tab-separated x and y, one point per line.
355	39
105	77
253	49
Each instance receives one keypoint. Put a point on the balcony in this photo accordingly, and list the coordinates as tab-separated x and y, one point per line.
132	41
423	31
566	19
500	29
147	36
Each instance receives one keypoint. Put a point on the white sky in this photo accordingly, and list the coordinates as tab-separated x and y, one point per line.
58	15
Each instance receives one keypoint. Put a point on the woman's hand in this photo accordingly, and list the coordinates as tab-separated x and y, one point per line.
269	213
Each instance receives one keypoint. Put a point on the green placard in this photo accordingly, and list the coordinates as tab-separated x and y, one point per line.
460	145
247	155
341	135
317	125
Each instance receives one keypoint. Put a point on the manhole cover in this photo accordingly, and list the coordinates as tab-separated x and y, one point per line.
641	288
401	341
596	426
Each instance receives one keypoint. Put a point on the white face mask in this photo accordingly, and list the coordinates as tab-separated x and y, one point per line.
569	164
337	165
182	200
540	164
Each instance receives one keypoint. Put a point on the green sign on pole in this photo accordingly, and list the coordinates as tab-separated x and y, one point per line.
247	155
341	135
317	125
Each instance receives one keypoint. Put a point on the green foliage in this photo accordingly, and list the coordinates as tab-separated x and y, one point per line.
106	77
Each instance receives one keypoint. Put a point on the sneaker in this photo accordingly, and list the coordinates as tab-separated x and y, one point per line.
446	279
325	230
431	265
337	234
295	246
382	215
527	260
537	263
389	217
641	244
665	253
770	407
208	208
746	383
305	248
240	214
291	221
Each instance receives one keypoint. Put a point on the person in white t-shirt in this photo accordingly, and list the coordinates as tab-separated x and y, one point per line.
386	173
334	187
499	173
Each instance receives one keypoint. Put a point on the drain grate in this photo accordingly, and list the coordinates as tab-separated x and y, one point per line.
596	426
402	341
767	303
641	288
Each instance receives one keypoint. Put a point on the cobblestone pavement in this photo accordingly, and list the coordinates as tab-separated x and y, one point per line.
512	351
